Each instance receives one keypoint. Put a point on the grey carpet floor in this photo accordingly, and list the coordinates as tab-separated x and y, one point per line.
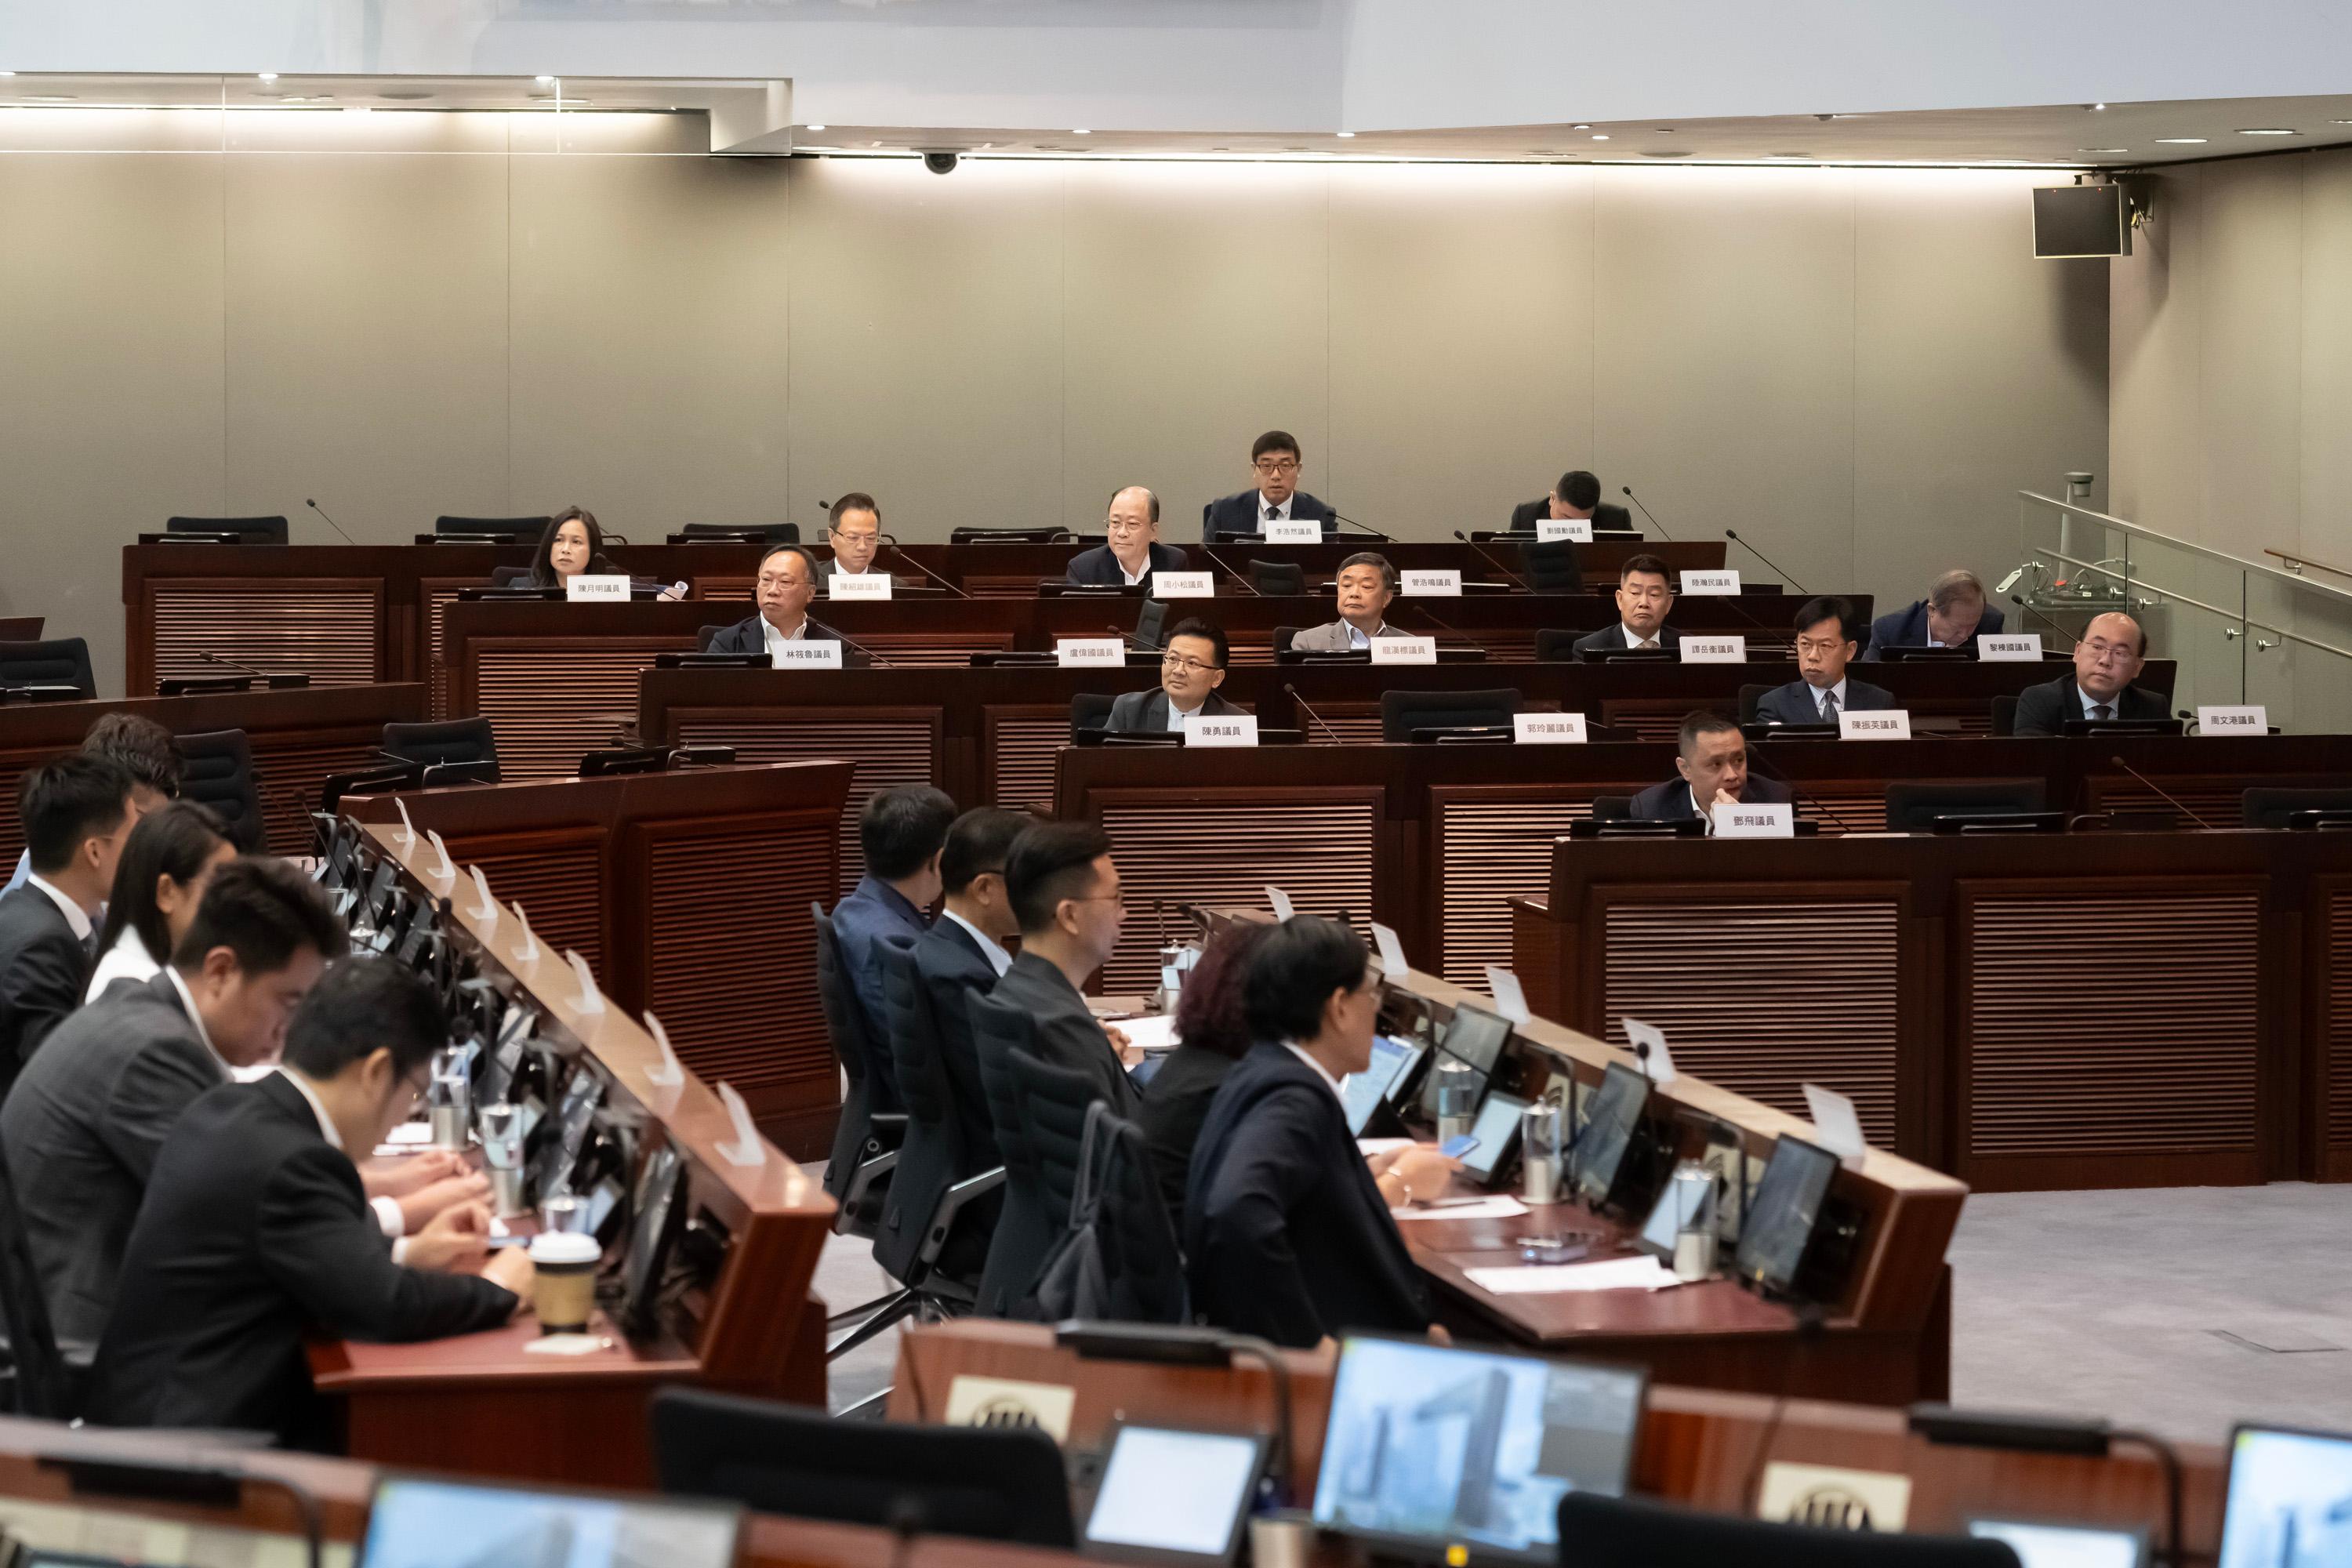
2120	1304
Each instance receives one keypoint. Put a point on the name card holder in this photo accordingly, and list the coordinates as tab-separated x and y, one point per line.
1563	531
2009	648
1404	650
2248	721
596	588
1293	533
1434	584
1089	653
1220	730
1184	585
1648	1044
1715	651
1392	950
808	653
1711	583
1761	819
1548	728
1874	724
866	585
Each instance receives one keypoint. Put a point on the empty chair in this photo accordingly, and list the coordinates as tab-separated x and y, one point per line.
1751	692
2004	715
1278	579
218	774
774	533
1612	808
937	1216
48	1379
997	1483
1403	712
516	530
1597	1531
252	530
1555	646
2271	807
854	1140
1914	808
58	661
461	741
510	577
1090	710
1551	567
1150	621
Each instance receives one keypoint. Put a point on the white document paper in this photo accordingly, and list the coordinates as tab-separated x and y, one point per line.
806	653
1433	584
1221	729
597	587
1875	725
1724	581
1090	653
1510	1000
1715	651
1758	819
1661	1062
1392	960
1280	902
1837	1125
2252	721
2008	647
1184	585
1150	1031
1368	1147
1292	533
866	585
1563	531
1643	1273
1548	728
1500	1206
1404	650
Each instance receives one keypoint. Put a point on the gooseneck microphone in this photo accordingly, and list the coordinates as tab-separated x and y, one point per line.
208	656
847	640
2162	795
2018	600
1733	535
1370	531
338	527
1491	561
1291	687
901	552
1446	624
1126	636
1646	511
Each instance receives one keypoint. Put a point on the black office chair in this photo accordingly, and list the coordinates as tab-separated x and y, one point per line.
943	1197
1089	710
1555	646
1914	808
725	533
57	662
995	1483
1551	567
252	530
218	772
1143	1263
48	1379
518	530
1050	1104
2275	808
1403	712
1278	579
1151	622
863	1153
1597	1531
1036	1200
2004	715
1612	808
1750	694
459	741
510	577
1011	536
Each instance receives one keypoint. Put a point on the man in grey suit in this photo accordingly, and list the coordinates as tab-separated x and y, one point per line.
1064	891
85	1118
1826	644
1190	670
1366	586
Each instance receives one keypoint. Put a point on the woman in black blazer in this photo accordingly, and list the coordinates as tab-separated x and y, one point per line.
1212	1036
570	545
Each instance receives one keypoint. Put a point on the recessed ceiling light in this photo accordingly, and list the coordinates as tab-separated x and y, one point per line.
1344	135
812	127
2096	108
269	76
8	73
2103	151
544	81
1081	132
1600	138
51	97
2265	130
1580	127
2182	141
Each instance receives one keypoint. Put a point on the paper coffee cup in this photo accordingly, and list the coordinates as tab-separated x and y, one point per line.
563	1285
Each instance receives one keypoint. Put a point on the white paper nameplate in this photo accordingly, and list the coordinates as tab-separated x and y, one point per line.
1834	1497
866	585
1392	960
1511	999
1404	650
1003	1402
1758	819
2254	720
596	586
1723	581
1874	724
1292	533
1072	653
1715	651
807	653
1660	1061
1282	909
1548	728
1837	1126
1563	530
1184	585
1221	729
2010	645
1434	584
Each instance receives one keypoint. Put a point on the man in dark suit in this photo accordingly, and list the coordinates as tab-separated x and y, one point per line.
1826	645
786	584
75	813
1577	495
1286	1232
1953	615
1712	761
853	529
254	1233
1190	670
2110	657
1131	552
901	832
1064	891
142	748
82	1129
1275	499
1645	592
962	955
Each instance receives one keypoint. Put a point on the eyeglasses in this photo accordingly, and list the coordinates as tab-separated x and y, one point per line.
775	579
2103	649
857	536
1190	666
1821	645
1117	899
1276	465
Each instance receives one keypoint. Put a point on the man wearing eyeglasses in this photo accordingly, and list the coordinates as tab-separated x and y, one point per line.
2106	661
1190	670
1826	645
1276	462
855	532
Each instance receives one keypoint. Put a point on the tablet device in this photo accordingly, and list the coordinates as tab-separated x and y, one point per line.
2044	1545
1473	1037
1497	1133
1364	1093
1779	1225
2285	1505
1172	1497
1611	1118
414	1522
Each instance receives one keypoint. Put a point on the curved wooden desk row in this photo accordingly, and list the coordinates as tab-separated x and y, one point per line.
481	1403
355	614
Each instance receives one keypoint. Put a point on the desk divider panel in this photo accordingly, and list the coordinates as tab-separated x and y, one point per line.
2327	1084
331	629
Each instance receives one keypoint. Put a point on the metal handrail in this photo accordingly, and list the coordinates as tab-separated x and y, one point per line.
2243	620
2297	561
2290	579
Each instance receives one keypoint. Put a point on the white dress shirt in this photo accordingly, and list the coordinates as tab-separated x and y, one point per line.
386	1210
75	916
1176	716
1281	513
989	947
129	959
188	1001
1139	573
1356	637
776	639
1635	639
1292	1047
23	870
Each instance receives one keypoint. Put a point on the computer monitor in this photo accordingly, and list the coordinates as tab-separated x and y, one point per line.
657	1214
1172	1497
1431	1447
1498	1131
1611	1118
2044	1545
568	1130
1475	1038
2290	1500
1779	1221
414	1522
1366	1092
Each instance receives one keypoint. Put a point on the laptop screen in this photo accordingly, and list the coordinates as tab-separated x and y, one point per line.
418	1523
2290	1500
2064	1545
1174	1494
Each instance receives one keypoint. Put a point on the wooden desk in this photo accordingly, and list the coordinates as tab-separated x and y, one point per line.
298	739
481	1403
686	892
1013	571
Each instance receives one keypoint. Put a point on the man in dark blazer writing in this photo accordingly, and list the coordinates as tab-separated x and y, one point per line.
75	814
1131	551
1826	645
254	1233
786	584
1577	495
1276	498
1711	762
1953	615
2113	652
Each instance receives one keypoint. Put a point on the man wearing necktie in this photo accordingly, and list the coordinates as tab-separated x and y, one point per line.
2110	657
1275	463
1826	639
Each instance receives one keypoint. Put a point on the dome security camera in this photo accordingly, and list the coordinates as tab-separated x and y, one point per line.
941	162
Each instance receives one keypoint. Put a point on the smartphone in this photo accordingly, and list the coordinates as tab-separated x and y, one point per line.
1455	1147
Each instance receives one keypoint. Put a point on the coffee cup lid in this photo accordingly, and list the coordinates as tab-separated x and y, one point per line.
564	1247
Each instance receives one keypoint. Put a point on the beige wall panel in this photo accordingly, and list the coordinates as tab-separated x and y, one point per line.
2326	503
111	410
927	341
1979	372
1195	314
1722	358
367	360
2155	443
1462	341
650	356
2250	323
